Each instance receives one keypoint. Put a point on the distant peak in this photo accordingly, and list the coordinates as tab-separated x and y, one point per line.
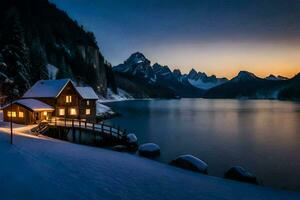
245	76
137	58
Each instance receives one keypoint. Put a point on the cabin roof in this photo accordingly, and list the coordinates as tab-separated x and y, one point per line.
87	92
32	104
46	88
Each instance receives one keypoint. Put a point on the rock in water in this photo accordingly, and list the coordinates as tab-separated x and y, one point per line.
132	141
149	150
191	163
240	174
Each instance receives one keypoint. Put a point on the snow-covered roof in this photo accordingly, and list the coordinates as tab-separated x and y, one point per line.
32	104
46	88
87	92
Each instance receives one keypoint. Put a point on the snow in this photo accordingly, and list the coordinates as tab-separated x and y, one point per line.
32	104
101	109
131	138
111	96
44	168
87	92
46	88
149	147
199	164
52	71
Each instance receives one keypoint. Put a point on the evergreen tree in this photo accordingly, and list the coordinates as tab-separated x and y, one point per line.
38	57
15	52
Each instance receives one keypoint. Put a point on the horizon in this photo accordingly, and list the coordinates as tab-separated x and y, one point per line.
215	37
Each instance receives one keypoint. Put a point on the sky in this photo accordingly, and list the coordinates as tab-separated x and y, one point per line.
218	37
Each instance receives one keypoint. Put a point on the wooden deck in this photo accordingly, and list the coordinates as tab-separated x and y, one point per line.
99	129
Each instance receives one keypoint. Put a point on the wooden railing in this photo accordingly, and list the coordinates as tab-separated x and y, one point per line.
101	128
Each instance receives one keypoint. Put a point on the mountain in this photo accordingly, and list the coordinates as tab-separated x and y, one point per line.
137	68
249	86
202	81
276	78
40	41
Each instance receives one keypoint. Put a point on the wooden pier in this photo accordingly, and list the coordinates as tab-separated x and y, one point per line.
75	125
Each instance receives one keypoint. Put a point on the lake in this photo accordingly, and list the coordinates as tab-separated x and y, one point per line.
263	136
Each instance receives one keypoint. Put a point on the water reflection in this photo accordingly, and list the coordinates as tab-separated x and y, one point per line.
263	136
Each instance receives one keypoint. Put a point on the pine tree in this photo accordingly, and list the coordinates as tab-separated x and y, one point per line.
38	57
15	52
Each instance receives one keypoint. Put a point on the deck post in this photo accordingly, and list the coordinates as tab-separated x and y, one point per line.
55	123
102	128
65	122
85	124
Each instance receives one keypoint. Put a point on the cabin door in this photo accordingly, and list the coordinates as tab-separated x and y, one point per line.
36	116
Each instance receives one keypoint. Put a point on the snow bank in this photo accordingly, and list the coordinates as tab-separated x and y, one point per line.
102	109
41	168
121	96
190	162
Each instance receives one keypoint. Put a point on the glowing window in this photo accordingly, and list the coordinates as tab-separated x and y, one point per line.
61	111
87	102
87	111
21	114
45	113
11	114
73	111
68	99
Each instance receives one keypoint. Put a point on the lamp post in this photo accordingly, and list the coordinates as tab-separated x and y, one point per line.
11	126
11	96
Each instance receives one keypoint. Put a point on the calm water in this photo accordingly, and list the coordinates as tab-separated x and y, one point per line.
262	136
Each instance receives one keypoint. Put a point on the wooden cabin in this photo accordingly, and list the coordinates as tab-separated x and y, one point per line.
27	111
66	100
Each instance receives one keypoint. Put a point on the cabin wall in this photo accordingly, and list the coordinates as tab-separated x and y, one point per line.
82	109
26	119
61	103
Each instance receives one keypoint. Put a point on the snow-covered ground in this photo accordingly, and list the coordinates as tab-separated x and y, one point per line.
43	168
121	96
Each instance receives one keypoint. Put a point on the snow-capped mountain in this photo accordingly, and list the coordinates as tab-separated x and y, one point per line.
202	81
137	66
248	86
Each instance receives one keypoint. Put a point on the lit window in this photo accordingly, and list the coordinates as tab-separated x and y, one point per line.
87	102
61	111
11	114
68	99
21	114
87	111
73	111
45	113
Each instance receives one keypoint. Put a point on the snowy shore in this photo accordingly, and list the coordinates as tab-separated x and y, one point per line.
44	168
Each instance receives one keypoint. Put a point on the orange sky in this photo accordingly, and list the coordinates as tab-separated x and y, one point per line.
227	59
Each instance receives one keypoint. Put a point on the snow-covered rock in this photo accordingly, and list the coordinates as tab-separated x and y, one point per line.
240	174
131	138
190	162
149	150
